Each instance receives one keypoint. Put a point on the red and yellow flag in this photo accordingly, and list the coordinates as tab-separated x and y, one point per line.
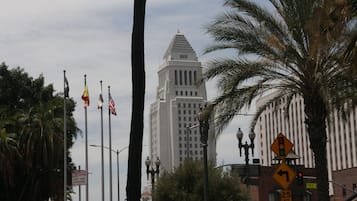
85	96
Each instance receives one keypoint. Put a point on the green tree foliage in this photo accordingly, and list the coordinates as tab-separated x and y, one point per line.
186	183
292	47
31	137
351	52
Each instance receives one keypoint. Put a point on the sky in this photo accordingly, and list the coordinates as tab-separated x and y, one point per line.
94	38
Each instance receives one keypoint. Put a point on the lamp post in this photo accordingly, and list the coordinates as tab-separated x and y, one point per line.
203	118
117	152
151	171
246	147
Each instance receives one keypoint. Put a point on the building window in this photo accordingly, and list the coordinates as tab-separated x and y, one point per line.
183	56
175	77
180	77
190	77
195	76
185	77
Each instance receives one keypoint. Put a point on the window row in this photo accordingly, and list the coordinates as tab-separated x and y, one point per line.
185	77
187	93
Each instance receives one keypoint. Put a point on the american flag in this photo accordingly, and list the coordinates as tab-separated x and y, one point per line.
112	105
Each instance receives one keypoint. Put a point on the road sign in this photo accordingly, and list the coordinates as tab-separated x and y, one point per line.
285	195
281	146
79	177
311	185
284	175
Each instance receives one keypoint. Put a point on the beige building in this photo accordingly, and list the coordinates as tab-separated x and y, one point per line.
174	134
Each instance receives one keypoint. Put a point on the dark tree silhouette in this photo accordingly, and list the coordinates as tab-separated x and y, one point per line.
133	188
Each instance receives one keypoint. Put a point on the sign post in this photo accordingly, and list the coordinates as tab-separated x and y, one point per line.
283	175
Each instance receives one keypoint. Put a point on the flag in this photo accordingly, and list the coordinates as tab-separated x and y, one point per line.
66	87
100	101
85	96
112	105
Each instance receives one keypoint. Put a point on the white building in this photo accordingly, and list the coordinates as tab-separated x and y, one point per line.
174	134
341	135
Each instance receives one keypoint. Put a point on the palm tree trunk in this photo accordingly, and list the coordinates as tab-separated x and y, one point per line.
133	188
316	125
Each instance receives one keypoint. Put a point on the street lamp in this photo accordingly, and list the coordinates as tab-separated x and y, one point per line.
245	147
151	171
117	152
203	118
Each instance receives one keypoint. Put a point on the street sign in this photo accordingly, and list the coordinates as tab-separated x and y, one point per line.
79	177
285	195
281	146
311	185
284	175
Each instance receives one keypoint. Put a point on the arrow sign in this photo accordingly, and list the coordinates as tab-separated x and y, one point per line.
284	175
281	172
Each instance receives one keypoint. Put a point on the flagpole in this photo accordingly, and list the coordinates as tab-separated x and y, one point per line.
102	144
110	149
86	140
64	136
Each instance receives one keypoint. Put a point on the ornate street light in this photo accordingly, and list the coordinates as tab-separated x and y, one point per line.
246	147
151	171
203	118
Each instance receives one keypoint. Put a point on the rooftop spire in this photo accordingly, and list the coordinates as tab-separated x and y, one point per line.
180	49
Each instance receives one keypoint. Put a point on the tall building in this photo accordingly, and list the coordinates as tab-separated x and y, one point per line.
174	132
341	138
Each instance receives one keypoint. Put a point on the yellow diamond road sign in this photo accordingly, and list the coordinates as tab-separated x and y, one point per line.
281	146
284	175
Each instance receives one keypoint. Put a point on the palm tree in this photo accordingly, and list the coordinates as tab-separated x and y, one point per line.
133	189
31	137
351	51
40	143
8	157
291	47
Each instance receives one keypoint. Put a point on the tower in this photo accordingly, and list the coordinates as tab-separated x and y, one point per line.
174	132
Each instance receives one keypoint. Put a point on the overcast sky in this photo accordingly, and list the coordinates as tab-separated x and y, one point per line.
94	37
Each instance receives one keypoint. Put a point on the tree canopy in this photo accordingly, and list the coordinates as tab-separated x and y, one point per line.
293	48
31	137
186	183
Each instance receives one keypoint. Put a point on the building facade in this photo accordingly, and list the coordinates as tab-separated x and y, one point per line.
341	138
174	132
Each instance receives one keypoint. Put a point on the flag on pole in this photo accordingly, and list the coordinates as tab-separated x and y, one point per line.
66	87
100	100
112	105
85	96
